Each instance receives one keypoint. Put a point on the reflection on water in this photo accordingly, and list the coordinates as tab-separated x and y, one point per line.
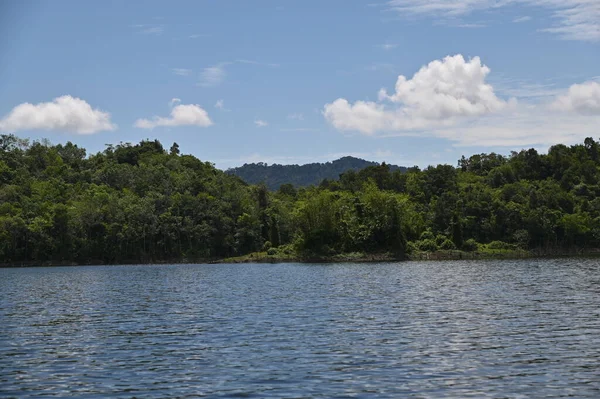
433	329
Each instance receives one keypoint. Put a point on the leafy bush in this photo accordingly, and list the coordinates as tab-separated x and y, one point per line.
411	247
428	245
470	245
427	235
499	245
272	251
440	239
447	245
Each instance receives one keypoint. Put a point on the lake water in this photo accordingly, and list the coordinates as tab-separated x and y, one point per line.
528	328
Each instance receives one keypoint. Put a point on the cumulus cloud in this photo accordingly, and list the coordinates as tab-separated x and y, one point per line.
582	98
181	115
261	123
438	94
451	99
65	113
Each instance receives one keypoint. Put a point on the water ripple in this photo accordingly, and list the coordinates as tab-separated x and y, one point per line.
500	329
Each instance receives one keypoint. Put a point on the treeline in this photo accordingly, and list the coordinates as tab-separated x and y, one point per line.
143	203
273	176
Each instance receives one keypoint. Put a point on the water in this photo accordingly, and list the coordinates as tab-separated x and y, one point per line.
418	329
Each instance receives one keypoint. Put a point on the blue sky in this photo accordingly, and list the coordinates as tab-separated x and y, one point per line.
410	82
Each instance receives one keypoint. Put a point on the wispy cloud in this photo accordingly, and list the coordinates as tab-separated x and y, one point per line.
261	123
387	46
296	116
149	29
573	19
220	104
181	71
522	19
471	26
215	75
251	62
198	35
299	129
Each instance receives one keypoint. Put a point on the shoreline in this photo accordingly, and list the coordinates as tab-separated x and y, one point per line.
357	257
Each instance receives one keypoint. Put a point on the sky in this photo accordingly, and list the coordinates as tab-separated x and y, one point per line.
409	82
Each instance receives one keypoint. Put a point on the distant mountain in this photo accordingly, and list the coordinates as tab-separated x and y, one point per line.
300	175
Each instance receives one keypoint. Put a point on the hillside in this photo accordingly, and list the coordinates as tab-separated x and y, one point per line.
143	204
301	175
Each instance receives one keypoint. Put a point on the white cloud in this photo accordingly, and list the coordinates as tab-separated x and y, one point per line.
447	88
220	104
261	123
451	99
531	126
197	35
213	76
65	113
438	94
181	115
366	117
582	99
522	19
181	71
296	116
174	101
577	19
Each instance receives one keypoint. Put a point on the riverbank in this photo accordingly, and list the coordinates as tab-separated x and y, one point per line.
357	257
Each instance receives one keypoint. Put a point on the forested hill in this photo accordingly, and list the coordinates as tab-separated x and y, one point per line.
300	175
144	203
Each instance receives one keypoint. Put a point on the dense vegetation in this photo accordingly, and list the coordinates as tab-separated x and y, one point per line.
300	175
141	203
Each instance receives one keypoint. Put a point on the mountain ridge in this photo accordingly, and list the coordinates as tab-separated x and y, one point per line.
275	175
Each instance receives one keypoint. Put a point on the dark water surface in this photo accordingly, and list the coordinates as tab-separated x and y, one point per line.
527	328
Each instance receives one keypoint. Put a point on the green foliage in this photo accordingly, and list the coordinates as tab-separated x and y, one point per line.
447	244
470	245
427	245
141	203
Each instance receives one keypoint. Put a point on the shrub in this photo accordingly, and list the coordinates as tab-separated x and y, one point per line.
411	247
447	245
470	245
440	239
427	235
499	245
271	251
266	246
428	245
